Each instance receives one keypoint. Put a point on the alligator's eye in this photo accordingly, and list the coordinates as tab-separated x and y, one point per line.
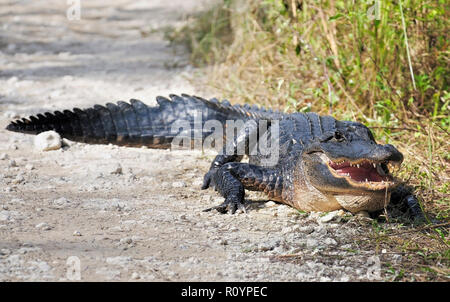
339	136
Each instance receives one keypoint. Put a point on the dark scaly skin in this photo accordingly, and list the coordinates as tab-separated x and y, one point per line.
134	123
232	178
302	137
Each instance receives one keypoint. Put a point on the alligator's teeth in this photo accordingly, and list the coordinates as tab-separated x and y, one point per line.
357	165
374	165
367	180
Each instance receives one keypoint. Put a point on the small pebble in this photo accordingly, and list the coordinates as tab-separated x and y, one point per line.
29	167
77	233
329	217
135	276
178	184
197	183
12	163
117	169
270	204
43	226
330	241
18	180
126	241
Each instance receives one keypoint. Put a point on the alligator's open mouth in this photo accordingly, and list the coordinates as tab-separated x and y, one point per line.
363	173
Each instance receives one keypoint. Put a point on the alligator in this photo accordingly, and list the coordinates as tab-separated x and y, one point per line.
321	164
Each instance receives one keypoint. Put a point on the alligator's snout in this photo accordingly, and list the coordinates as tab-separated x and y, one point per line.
386	153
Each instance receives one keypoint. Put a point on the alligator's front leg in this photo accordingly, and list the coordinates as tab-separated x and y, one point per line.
219	161
240	146
232	179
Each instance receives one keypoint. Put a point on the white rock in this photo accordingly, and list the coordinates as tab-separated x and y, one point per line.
197	183
4	156
61	202
306	229
270	204
46	141
76	233
43	226
126	241
29	167
135	276
328	217
11	115
178	184
330	241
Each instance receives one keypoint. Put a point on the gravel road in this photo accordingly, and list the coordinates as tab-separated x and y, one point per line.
96	212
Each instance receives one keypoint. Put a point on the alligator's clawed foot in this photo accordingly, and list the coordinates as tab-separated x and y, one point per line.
230	205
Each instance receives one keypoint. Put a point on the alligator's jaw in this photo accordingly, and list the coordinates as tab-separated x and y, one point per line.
369	203
362	174
310	199
330	184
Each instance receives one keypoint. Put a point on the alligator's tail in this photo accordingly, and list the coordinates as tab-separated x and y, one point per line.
136	124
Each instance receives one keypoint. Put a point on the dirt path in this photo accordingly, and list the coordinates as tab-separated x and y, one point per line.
65	209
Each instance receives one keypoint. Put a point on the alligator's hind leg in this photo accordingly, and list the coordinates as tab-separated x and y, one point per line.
232	179
404	199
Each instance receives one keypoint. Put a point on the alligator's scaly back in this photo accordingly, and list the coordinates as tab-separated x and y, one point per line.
136	124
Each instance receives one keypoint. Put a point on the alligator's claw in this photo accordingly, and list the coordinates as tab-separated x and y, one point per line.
230	205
